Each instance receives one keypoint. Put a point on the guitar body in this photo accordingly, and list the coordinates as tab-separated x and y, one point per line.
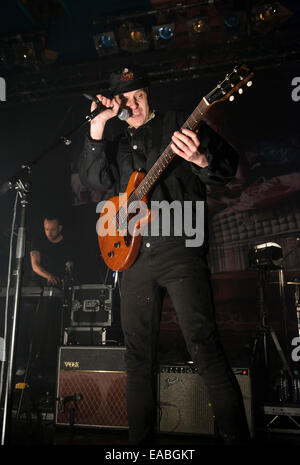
119	248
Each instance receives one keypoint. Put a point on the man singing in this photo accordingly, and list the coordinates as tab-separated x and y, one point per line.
165	263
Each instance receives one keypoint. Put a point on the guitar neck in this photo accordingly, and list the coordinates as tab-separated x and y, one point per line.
167	156
234	81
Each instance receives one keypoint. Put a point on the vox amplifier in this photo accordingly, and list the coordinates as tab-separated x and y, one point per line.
91	387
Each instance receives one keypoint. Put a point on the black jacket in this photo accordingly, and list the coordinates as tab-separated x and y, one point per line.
107	165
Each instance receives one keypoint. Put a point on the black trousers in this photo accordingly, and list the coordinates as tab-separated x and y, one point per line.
184	274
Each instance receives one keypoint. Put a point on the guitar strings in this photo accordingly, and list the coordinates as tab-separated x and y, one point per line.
121	217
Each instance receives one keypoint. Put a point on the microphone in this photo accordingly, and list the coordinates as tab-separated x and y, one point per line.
123	113
68	278
66	399
69	267
73	398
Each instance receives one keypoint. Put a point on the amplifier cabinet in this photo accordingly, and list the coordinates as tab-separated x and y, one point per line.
243	376
91	387
183	402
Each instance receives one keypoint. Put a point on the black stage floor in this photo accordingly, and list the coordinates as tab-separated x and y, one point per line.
282	432
38	440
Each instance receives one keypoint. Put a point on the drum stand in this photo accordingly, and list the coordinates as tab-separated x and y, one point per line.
265	331
296	283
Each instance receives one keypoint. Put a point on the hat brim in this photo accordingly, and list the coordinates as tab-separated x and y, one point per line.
128	86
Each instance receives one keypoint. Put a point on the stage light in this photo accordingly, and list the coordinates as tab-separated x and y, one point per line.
24	54
198	28
268	254
106	43
132	38
163	35
138	40
232	22
137	36
267	13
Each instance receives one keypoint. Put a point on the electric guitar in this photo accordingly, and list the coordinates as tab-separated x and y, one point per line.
119	243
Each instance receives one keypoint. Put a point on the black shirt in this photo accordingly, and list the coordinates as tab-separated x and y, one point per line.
53	256
104	164
107	164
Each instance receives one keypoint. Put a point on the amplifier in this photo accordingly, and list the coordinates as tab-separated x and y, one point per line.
91	387
91	306
243	377
183	401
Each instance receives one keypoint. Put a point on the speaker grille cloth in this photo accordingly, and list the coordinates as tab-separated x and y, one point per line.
103	402
184	404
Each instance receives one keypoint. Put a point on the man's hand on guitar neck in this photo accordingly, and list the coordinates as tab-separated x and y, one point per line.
186	145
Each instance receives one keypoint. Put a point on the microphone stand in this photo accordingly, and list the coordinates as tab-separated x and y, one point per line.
22	186
21	183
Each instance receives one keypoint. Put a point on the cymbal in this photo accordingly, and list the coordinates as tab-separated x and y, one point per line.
295	283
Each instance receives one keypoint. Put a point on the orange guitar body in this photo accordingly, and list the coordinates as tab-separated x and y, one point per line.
119	249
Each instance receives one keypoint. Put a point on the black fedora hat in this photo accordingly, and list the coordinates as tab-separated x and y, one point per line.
127	80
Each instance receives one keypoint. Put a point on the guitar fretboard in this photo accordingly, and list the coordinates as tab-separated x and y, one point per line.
165	158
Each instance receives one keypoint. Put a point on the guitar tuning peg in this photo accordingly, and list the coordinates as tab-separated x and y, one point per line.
249	83
241	90
231	98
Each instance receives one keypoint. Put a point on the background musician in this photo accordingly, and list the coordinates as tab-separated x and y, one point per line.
43	318
50	253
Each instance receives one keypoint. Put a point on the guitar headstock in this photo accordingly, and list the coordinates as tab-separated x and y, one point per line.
239	77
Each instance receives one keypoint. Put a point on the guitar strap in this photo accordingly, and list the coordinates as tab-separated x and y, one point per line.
157	132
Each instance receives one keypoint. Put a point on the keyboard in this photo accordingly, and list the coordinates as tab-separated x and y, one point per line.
34	291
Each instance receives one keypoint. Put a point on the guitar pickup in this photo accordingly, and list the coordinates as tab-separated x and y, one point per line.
117	245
